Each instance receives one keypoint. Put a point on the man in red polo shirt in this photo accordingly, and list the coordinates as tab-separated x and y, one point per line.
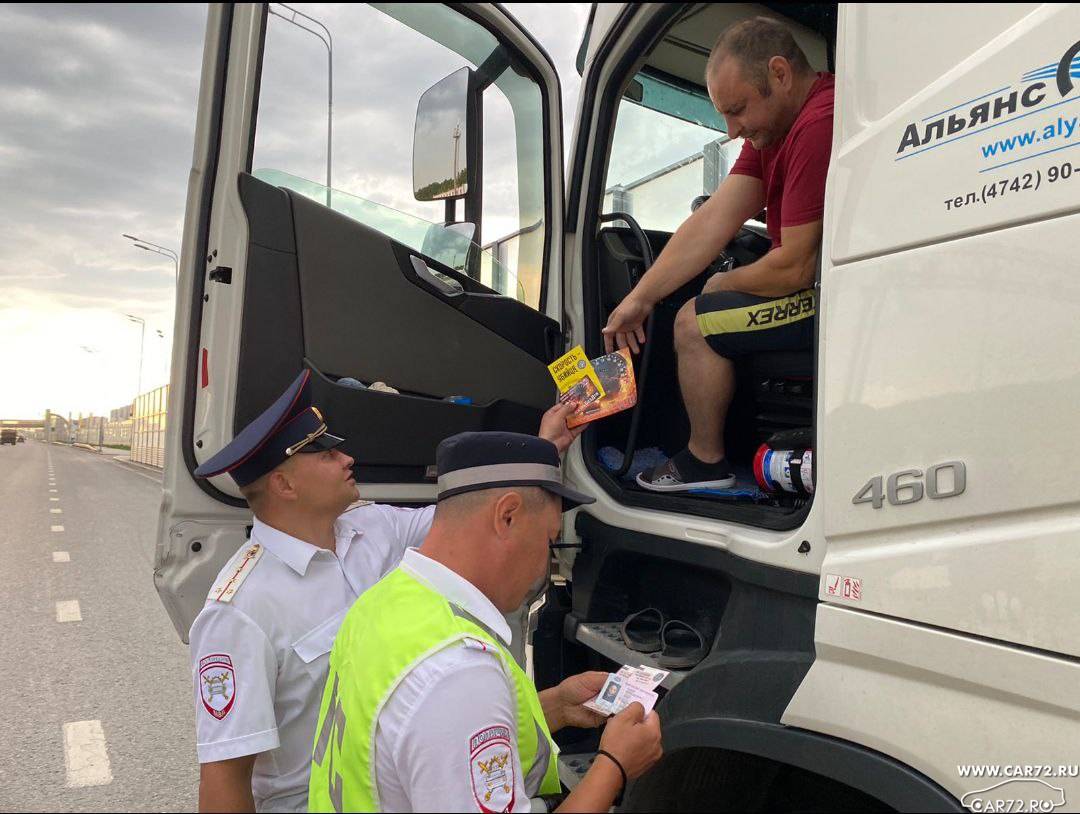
761	82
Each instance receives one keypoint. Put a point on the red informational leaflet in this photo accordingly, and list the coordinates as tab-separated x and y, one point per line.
616	374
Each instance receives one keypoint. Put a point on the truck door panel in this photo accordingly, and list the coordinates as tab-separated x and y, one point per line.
334	295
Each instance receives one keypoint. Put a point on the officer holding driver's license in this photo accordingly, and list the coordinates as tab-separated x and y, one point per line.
425	708
260	646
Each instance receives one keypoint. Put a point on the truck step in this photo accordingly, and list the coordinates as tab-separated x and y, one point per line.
606	639
573	767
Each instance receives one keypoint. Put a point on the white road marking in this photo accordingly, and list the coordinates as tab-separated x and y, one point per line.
56	528
86	755
67	610
53	491
56	511
54	499
61	556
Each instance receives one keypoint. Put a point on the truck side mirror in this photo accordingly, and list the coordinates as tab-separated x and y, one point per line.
446	140
451	244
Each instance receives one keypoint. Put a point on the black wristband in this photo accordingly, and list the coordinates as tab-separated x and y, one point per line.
618	797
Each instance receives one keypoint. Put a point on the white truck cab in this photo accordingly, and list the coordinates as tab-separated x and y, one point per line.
904	638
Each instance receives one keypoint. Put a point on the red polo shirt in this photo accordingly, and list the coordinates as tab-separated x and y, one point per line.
794	170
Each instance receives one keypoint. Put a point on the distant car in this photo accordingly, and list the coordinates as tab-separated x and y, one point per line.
21	439
7	437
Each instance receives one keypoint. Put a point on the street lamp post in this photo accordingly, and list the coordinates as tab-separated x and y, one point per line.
161	336
328	41
176	261
146	245
142	342
101	425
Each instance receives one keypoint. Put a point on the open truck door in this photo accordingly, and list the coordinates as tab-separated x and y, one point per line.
283	273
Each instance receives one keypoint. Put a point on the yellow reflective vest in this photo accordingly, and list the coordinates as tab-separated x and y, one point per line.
390	629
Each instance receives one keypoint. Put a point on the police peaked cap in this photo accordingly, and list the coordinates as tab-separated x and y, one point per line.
292	424
470	461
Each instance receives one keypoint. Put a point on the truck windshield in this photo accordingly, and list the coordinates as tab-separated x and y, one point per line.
670	146
372	118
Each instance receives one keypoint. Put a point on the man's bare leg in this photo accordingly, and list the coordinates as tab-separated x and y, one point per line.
707	381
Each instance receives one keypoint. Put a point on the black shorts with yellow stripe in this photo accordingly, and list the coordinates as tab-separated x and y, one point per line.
735	324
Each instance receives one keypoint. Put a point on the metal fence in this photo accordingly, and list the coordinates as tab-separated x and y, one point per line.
148	427
96	430
89	430
117	433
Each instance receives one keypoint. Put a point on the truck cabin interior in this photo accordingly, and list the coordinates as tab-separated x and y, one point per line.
775	395
736	636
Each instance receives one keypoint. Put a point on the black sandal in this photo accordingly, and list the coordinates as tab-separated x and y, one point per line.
641	630
682	646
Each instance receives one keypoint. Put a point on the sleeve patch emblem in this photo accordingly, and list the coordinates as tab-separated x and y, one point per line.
491	769
217	684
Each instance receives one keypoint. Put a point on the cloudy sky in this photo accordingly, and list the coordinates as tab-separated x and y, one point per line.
97	109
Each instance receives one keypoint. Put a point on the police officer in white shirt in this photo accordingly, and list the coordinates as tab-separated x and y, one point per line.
424	708
259	647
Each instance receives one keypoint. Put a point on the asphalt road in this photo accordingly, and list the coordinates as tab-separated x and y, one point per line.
97	712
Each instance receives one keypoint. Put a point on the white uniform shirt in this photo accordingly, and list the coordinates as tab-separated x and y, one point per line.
446	740
274	637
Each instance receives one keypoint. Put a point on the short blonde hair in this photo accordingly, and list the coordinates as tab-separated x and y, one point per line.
255	491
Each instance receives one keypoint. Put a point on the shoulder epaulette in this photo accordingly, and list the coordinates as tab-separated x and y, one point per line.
226	589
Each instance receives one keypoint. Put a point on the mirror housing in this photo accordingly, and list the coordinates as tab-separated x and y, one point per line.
451	245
